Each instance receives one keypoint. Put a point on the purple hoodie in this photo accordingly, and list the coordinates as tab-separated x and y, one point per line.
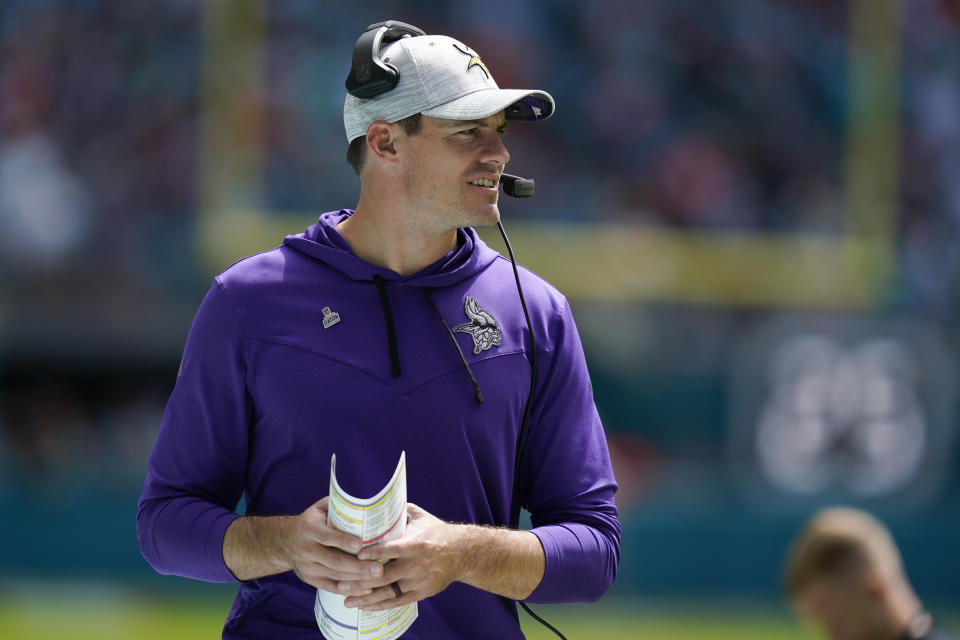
269	390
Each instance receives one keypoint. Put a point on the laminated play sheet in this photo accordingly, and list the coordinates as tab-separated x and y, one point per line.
373	520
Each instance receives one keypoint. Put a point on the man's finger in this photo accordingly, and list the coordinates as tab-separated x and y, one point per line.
334	586
383	598
327	535
330	537
393	572
415	511
347	544
345	565
386	551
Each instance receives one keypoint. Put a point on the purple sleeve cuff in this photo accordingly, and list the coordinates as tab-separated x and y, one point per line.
184	536
580	563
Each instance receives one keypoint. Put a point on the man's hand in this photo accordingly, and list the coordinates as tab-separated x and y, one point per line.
255	546
421	563
432	553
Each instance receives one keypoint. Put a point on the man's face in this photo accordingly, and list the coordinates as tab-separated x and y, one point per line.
846	609
452	171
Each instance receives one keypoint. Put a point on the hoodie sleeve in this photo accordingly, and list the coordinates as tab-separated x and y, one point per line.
196	469
567	475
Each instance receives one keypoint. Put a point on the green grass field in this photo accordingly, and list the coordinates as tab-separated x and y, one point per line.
193	621
83	612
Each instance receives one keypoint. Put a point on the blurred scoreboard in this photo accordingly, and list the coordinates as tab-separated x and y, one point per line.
845	408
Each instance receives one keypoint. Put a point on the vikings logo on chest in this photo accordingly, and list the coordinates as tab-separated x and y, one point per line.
483	327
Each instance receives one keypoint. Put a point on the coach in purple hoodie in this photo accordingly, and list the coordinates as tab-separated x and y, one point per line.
390	328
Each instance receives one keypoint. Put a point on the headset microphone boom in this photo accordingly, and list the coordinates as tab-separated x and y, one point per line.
516	186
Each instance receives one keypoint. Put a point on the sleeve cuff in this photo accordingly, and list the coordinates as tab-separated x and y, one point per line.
574	562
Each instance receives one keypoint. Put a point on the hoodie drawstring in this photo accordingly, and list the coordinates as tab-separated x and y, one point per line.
463	358
392	337
391	329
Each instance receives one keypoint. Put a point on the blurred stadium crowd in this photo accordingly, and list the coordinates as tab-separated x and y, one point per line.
683	114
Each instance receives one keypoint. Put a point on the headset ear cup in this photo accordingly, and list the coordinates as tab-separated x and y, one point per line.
367	78
369	75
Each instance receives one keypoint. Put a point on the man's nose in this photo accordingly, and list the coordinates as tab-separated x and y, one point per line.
495	151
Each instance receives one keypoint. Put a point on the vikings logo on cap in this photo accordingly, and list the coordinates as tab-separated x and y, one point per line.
475	60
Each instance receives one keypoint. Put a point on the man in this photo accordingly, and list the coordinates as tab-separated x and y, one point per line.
845	573
389	328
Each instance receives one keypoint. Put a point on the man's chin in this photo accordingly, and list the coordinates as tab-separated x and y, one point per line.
489	217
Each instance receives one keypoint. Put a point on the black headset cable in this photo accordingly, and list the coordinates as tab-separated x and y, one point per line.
521	440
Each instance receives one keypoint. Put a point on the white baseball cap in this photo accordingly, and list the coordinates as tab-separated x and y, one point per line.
443	78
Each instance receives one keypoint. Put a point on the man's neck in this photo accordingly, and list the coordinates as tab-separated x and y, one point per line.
387	239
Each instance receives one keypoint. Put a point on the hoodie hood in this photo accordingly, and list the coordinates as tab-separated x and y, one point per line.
323	242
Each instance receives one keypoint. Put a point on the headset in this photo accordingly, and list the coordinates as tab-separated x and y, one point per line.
371	76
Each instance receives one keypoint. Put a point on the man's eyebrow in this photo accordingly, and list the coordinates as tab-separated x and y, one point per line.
454	124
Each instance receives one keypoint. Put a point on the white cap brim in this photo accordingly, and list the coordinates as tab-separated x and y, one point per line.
519	104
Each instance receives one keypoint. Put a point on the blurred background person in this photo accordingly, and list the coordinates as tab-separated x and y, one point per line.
844	572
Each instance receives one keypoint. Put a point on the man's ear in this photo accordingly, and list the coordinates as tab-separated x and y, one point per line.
876	584
381	141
